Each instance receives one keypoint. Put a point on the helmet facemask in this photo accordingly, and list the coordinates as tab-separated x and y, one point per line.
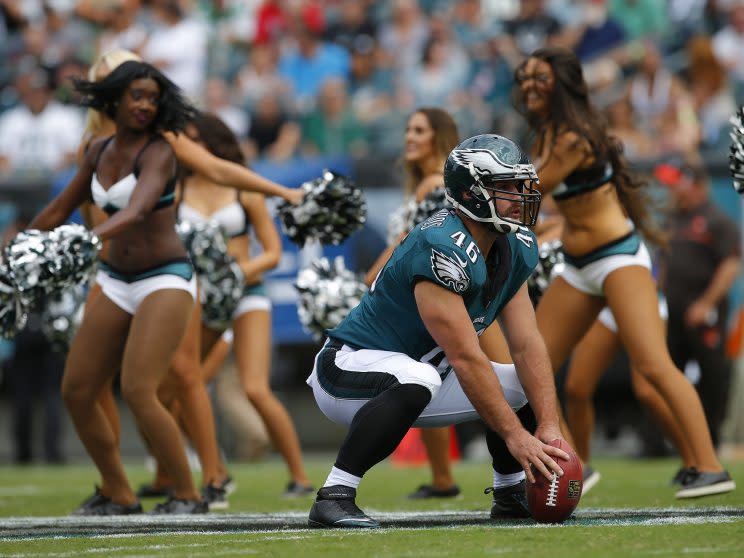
486	190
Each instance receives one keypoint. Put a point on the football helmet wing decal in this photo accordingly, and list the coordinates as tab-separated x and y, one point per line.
449	272
483	160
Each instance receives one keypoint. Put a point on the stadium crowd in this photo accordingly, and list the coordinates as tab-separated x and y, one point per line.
339	76
297	79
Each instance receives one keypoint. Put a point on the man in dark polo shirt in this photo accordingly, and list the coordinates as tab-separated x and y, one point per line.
697	271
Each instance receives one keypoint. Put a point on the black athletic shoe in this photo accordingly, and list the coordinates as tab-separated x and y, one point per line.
152	491
297	490
335	507
698	484
98	504
426	491
176	506
590	478
215	497
509	502
681	475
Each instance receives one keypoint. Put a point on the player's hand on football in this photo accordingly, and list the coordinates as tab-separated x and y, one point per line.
531	452
549	432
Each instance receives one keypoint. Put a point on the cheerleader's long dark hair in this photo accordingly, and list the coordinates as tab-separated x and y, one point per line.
571	111
174	111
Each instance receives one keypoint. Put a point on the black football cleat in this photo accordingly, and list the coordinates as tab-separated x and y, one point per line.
509	502
699	483
334	507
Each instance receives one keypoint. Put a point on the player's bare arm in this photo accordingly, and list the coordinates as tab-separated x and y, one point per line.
447	320
531	360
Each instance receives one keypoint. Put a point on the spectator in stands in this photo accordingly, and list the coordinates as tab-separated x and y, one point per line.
271	21
533	28
597	35
273	134
472	26
370	85
403	36
217	101
260	76
66	36
332	128
686	18
711	93
40	135
728	44
310	61
640	19
122	26
491	81
177	46
663	105
637	144
353	26
697	272
433	81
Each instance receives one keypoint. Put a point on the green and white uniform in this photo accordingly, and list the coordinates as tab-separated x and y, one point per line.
384	342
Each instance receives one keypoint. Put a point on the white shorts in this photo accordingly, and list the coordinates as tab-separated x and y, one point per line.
344	379
588	273
254	298
128	290
608	320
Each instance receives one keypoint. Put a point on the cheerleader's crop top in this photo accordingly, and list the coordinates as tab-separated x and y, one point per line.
233	217
117	196
583	181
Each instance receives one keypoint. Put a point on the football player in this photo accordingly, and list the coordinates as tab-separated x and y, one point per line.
408	354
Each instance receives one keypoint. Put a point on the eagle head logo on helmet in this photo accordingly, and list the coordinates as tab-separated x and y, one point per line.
474	172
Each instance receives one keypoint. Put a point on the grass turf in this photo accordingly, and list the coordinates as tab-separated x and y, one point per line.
626	483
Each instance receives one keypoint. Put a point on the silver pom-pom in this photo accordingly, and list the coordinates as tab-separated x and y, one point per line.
221	281
42	263
550	261
327	293
399	219
736	151
332	209
62	315
12	315
433	202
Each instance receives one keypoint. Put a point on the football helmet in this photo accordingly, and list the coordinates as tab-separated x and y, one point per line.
475	177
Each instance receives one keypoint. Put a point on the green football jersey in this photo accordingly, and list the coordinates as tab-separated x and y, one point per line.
440	250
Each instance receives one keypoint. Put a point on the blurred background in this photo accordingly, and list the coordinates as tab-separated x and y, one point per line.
313	84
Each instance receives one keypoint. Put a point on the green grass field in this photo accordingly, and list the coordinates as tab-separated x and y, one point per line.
610	520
